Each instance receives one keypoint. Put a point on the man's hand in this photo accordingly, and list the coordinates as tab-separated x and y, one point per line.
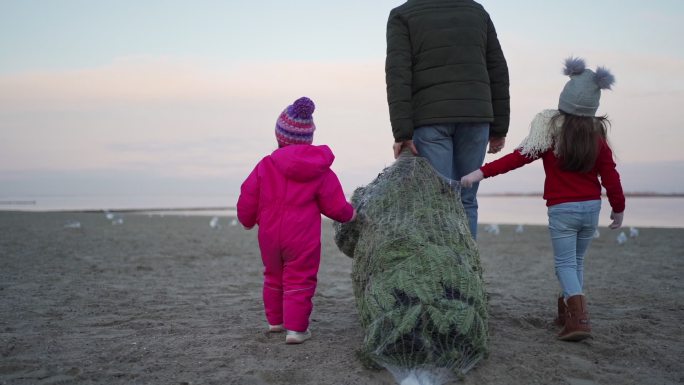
398	146
617	219
474	177
496	144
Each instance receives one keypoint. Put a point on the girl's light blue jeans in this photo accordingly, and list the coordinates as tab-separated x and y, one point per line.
572	226
455	150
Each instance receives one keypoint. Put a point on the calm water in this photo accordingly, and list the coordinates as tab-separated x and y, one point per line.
644	212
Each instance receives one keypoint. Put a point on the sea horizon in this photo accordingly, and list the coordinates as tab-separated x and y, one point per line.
643	209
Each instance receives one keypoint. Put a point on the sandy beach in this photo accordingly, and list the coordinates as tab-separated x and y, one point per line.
171	300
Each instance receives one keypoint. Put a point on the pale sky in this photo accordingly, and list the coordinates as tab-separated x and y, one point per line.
177	96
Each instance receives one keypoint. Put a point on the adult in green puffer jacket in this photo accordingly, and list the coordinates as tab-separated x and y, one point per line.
447	87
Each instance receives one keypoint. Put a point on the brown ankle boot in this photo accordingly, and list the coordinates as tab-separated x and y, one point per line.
577	325
560	318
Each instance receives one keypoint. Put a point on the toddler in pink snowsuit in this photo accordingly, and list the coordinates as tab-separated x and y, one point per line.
285	195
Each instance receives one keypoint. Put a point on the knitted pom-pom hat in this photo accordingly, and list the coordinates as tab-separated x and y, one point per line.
582	92
295	124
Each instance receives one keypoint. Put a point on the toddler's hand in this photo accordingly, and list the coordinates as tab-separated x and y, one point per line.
474	177
617	219
353	216
248	228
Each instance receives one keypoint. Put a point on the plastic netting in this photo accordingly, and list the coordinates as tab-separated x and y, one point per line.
416	274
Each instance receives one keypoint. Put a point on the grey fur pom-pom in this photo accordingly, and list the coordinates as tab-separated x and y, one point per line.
574	66
604	78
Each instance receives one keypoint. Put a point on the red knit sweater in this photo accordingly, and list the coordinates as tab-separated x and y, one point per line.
565	186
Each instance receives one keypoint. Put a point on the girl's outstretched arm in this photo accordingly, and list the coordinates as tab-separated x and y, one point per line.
474	177
500	166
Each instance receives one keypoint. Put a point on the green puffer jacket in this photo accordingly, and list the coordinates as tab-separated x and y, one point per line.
444	65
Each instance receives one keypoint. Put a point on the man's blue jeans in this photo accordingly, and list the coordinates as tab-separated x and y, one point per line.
572	226
455	150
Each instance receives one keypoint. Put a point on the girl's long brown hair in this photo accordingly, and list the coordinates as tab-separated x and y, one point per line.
578	141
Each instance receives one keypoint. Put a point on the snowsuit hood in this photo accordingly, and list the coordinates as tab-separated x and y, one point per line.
303	162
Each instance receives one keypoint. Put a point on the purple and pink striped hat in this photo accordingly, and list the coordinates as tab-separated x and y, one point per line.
295	124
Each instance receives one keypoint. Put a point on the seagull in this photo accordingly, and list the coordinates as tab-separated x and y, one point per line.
520	229
492	229
117	221
621	238
633	232
109	215
214	223
234	222
73	225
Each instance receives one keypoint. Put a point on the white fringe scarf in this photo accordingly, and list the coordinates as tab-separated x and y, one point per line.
542	134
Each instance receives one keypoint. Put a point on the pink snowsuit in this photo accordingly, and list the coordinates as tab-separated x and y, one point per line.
286	194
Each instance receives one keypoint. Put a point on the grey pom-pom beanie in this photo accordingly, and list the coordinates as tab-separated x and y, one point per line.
582	92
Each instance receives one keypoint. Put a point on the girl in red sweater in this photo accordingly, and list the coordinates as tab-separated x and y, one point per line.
572	143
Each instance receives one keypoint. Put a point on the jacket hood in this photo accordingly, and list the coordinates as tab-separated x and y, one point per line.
303	162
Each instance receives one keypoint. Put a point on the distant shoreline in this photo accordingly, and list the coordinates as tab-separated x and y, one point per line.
136	210
34	205
627	194
497	212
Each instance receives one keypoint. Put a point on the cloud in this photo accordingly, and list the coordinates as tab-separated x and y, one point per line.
643	105
153	80
127	80
184	116
189	118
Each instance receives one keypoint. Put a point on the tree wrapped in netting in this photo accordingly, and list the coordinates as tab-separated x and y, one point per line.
416	274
